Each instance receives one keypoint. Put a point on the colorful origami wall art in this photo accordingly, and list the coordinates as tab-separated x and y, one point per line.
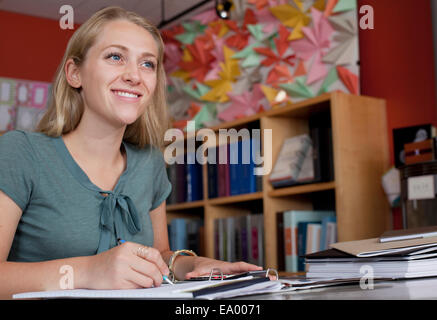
22	103
269	54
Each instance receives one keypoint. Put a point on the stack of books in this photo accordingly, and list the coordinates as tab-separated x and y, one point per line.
400	254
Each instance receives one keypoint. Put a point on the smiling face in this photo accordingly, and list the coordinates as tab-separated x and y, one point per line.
118	76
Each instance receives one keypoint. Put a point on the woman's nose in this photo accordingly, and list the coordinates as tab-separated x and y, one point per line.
131	73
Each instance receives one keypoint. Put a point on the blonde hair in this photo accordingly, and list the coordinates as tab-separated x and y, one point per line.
65	107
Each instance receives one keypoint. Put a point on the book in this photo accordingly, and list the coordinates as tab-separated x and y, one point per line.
181	181
178	234
289	162
172	176
212	180
328	234
408	234
193	234
373	247
223	180
280	240
291	220
235	159
194	181
301	245
184	234
308	241
257	227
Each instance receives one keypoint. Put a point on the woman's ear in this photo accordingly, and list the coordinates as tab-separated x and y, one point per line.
72	74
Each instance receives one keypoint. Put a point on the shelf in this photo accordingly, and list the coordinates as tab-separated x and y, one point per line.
185	205
235	199
307	188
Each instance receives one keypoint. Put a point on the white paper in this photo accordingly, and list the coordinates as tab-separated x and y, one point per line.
420	188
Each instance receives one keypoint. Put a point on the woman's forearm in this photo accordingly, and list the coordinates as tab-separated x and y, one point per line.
16	277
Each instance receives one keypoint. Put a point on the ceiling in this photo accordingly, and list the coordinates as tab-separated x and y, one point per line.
83	9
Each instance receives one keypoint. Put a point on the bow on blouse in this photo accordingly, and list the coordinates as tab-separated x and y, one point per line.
117	213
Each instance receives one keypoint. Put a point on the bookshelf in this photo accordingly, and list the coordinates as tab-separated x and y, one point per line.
360	156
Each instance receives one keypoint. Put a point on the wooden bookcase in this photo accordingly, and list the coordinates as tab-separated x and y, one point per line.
361	156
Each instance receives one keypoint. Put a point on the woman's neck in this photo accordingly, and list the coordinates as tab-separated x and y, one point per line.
95	145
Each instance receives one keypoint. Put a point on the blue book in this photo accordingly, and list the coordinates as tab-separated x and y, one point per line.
301	244
212	177
178	234
234	168
194	178
323	235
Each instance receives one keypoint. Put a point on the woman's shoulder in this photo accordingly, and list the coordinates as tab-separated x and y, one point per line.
24	142
20	137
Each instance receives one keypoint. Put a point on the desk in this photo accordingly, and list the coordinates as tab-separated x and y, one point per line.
413	289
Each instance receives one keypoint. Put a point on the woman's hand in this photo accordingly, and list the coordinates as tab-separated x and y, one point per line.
203	266
127	266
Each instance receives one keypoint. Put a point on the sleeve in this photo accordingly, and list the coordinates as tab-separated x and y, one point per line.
162	184
17	167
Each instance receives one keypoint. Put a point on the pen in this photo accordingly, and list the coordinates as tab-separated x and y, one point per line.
166	279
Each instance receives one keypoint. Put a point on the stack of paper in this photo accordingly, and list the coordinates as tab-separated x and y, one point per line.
373	258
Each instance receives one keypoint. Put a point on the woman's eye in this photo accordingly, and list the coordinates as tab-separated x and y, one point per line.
149	65
114	56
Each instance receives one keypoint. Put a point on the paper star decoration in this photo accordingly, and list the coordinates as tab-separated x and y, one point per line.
293	17
347	40
242	105
314	45
197	60
230	71
192	30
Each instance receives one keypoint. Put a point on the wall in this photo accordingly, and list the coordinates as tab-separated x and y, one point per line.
434	32
30	48
397	62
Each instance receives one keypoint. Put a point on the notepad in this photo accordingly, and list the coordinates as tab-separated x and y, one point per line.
209	290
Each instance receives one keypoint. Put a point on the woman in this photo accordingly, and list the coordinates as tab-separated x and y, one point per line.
93	174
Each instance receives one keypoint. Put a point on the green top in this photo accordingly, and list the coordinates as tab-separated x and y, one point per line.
64	213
